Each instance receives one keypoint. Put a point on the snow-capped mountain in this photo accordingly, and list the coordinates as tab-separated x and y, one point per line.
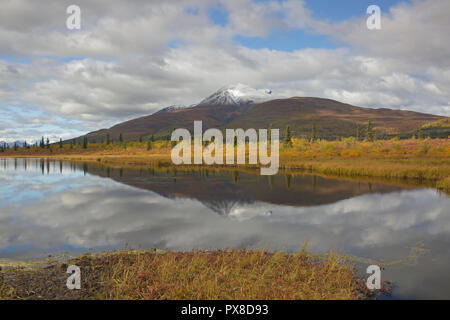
236	95
172	108
231	95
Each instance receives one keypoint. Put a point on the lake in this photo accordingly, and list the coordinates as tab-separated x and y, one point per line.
55	207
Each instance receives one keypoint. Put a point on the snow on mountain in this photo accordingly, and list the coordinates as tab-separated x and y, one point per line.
231	95
171	108
237	94
174	108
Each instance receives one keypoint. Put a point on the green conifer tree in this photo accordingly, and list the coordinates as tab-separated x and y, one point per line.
420	135
358	132
287	137
369	134
313	132
269	133
149	144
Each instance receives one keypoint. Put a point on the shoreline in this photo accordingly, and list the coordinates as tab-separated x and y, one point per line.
427	172
205	275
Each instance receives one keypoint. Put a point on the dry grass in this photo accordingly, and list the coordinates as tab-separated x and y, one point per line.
236	274
229	275
444	184
427	159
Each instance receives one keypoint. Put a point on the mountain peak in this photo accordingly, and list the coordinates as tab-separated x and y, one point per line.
236	95
173	108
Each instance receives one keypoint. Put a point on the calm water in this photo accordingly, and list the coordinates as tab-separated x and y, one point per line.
50	207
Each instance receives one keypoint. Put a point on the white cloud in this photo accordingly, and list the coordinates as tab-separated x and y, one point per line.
414	34
138	57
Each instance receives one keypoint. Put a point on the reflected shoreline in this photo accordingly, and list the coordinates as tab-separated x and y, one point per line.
408	177
234	186
50	207
83	164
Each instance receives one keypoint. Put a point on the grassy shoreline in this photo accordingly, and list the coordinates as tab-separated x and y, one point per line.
152	274
420	160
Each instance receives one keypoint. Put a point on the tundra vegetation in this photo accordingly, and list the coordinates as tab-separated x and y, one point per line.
423	159
219	274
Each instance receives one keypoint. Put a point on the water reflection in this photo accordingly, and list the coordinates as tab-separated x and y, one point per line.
51	206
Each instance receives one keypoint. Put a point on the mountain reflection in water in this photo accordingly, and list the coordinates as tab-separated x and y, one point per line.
49	207
221	191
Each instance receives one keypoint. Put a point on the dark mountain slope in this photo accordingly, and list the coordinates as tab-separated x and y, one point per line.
162	124
332	119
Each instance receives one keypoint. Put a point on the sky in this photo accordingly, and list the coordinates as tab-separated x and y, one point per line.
132	58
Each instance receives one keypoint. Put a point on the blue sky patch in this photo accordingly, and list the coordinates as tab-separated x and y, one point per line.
219	15
287	40
337	11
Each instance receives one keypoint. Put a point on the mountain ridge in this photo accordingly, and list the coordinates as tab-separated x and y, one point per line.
235	107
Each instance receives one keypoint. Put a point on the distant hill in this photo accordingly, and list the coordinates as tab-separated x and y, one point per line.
11	144
333	119
439	128
240	106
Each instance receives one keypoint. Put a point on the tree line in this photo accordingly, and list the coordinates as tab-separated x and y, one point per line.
366	133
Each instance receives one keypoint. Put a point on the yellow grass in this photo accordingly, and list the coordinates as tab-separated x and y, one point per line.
235	274
444	184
